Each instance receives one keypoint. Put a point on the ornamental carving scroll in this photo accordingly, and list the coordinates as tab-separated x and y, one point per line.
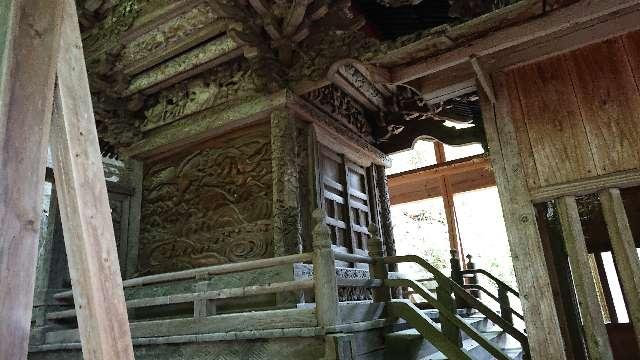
209	206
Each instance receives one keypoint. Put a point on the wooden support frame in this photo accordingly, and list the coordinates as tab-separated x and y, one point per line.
541	316
595	331
624	252
29	33
84	206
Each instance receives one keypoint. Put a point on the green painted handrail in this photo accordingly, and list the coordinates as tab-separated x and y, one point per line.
463	294
427	328
498	282
451	316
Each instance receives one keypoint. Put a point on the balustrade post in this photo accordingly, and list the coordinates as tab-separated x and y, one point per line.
377	270
472	280
449	329
456	276
505	304
324	272
456	272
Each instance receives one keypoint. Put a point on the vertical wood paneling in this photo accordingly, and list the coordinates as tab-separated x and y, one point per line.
609	103
632	46
553	121
522	135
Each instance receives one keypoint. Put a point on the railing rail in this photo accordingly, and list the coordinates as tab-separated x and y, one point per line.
506	310
451	316
461	293
206	271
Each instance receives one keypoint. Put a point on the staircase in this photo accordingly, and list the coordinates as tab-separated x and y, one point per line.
445	332
409	344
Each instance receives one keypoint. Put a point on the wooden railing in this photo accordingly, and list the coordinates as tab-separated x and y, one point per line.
325	284
506	310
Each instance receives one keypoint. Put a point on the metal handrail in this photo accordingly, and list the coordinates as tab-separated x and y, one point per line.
460	292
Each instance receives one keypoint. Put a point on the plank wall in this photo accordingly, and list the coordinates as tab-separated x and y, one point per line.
577	115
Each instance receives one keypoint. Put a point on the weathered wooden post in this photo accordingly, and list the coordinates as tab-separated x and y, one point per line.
451	330
377	270
324	272
473	279
456	272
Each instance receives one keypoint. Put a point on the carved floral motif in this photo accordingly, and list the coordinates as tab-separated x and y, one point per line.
232	81
209	206
168	34
337	103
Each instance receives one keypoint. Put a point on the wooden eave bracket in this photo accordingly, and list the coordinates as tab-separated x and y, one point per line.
483	78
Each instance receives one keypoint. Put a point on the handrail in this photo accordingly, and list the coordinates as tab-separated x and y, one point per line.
491	295
341	256
206	271
451	316
498	282
463	294
427	328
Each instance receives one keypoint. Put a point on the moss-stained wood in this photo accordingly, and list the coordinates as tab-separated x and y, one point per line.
206	56
205	124
286	209
210	204
29	43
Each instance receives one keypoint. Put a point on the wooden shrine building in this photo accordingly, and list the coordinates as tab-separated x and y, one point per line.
244	144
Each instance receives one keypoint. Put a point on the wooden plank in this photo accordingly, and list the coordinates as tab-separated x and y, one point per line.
260	320
554	124
84	206
624	253
522	134
541	316
592	321
29	33
535	34
623	179
441	169
632	47
609	102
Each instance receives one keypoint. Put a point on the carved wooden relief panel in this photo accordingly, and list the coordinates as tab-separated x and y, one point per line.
209	205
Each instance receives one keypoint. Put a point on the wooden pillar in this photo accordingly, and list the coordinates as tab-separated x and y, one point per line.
286	210
29	33
449	207
624	252
592	321
84	206
324	272
541	316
